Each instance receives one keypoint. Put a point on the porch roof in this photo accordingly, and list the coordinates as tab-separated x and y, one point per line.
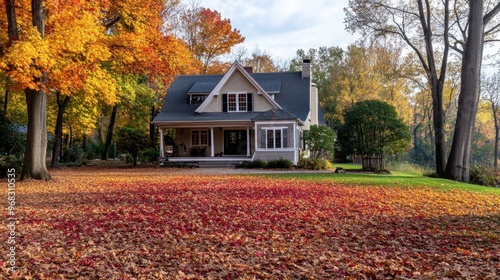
164	118
222	119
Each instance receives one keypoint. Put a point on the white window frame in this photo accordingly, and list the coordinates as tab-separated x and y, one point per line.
237	101
200	138
274	129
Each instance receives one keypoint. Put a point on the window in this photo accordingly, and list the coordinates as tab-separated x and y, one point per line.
199	138
274	138
197	98
236	102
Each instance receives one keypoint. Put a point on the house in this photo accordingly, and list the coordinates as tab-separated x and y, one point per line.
239	115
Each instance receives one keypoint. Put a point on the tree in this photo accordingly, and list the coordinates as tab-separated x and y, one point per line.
319	140
208	35
78	58
374	130
411	23
370	70
323	61
132	140
463	30
261	62
491	89
26	60
139	47
458	165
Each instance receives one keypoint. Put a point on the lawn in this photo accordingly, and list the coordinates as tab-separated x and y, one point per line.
151	223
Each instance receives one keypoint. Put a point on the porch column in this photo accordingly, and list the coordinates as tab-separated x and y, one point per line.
162	148
248	141
212	148
295	145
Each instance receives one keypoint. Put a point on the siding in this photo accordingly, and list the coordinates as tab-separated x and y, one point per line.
238	83
270	155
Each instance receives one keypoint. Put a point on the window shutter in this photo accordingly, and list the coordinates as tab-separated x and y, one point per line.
285	137
263	136
224	103
249	102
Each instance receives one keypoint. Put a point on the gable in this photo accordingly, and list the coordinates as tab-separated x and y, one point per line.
237	80
238	83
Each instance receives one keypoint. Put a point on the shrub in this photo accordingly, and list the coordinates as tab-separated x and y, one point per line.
252	164
74	156
12	143
320	140
93	150
149	155
8	162
315	164
280	163
132	140
482	176
272	164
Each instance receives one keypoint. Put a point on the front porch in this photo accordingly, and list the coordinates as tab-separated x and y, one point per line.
201	143
229	142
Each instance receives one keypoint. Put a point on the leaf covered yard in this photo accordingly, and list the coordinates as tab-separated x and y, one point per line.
164	224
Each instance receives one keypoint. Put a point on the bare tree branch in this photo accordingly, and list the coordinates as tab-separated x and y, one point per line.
491	14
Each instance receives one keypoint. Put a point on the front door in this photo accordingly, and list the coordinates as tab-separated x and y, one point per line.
235	142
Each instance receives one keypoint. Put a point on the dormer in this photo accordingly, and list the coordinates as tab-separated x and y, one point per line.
199	92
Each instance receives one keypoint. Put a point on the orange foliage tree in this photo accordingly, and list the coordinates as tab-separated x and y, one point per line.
139	47
208	35
67	47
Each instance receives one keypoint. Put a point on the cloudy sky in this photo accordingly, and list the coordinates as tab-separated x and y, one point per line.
281	27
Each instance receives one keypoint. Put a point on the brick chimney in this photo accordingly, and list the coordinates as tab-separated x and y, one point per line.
306	69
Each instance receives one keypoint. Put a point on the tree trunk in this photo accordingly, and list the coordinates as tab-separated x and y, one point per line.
84	142
13	36
12	21
36	145
494	110
436	80
497	132
109	134
415	140
6	97
58	133
438	121
152	128
459	160
70	136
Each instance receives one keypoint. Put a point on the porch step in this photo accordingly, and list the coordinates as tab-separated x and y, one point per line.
217	164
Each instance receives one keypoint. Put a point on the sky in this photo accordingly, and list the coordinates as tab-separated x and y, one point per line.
281	27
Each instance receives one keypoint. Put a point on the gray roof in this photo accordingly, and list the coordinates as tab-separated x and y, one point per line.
290	91
275	114
202	87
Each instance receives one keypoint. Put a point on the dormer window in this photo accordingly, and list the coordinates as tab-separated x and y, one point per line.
197	98
237	102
